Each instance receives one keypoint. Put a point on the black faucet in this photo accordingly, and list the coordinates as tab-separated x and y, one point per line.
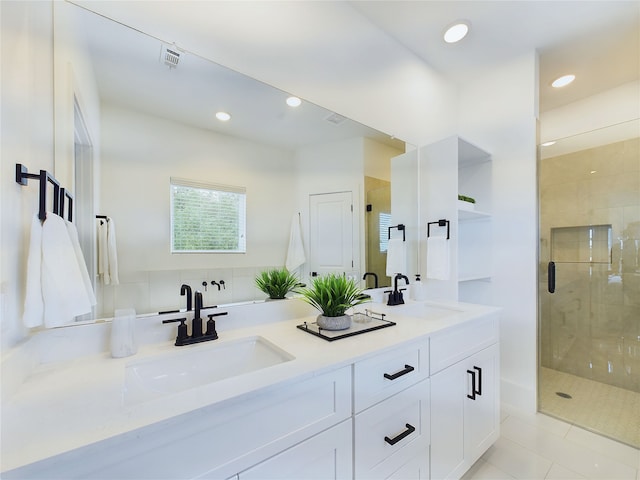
196	326
395	297
186	290
196	323
375	278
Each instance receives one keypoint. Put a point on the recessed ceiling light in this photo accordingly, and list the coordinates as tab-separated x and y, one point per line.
548	144
294	101
223	116
563	81
456	32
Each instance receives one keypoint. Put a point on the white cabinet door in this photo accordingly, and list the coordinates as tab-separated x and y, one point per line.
465	413
482	410
448	390
325	456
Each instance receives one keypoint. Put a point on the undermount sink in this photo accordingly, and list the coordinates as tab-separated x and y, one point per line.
201	365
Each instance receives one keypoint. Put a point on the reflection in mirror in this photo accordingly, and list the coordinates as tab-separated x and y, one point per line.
149	109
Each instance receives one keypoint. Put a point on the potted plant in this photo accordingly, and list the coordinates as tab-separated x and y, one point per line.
466	203
333	295
277	282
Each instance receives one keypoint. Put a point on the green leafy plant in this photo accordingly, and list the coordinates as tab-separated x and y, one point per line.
466	199
333	295
277	282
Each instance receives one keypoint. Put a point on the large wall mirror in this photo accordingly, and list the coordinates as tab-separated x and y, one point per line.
133	111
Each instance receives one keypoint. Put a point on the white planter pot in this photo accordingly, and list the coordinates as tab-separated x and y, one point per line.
334	323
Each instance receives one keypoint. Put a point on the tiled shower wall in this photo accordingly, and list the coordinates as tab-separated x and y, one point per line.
591	326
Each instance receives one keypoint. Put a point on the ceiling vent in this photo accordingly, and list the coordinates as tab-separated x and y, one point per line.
170	56
335	119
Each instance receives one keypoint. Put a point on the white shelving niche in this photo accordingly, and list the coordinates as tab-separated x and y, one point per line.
425	189
474	226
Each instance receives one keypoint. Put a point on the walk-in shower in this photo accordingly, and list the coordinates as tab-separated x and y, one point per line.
589	291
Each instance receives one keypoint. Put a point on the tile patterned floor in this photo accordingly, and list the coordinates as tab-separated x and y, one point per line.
609	410
536	446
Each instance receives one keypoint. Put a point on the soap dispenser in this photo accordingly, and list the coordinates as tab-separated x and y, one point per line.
417	289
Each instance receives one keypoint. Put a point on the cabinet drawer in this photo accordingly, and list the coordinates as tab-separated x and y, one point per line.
392	433
460	342
386	374
327	455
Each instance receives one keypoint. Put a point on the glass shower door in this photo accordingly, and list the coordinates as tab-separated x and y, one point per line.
589	290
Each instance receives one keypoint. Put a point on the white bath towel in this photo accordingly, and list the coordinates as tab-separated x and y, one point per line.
295	253
33	315
396	257
56	292
73	236
107	251
438	258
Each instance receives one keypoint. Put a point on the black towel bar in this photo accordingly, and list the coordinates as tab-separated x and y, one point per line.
441	223
59	194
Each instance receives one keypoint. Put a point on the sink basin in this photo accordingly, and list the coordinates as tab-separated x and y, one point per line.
201	365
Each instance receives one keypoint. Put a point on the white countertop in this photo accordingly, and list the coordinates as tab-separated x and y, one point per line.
68	404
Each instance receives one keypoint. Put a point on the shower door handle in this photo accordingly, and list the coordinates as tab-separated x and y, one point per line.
551	280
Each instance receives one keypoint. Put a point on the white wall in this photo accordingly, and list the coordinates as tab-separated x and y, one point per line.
141	153
612	107
498	113
26	136
377	159
73	78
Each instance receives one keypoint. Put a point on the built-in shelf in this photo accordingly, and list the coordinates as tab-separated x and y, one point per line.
474	224
464	215
475	278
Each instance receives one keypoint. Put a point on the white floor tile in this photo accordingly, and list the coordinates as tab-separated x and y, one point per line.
483	470
547	422
584	460
615	450
519	462
559	472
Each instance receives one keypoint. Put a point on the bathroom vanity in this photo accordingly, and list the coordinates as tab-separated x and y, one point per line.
267	400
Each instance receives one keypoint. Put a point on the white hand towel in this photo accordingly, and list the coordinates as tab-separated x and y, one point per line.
33	315
55	292
396	257
295	252
112	252
63	290
103	256
107	251
73	236
438	258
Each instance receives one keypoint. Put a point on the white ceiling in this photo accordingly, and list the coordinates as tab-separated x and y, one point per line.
598	40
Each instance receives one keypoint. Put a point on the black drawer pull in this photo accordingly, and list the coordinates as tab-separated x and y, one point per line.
392	441
407	369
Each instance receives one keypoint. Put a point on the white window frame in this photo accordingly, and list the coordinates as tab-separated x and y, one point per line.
241	218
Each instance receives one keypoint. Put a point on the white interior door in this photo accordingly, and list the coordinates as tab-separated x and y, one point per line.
330	233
